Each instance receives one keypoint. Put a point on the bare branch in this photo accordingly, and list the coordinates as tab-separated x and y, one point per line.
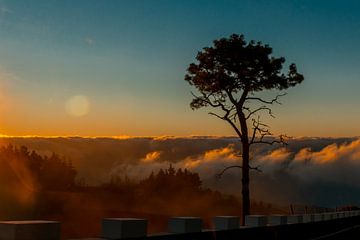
281	140
216	115
274	100
228	111
220	174
262	108
261	131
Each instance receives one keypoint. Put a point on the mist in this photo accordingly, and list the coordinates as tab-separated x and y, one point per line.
316	171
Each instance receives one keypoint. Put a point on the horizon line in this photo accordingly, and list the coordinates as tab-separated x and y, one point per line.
158	137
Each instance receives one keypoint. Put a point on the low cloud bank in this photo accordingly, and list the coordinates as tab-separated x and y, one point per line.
322	171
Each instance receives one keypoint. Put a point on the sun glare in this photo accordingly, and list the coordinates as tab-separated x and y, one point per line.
77	106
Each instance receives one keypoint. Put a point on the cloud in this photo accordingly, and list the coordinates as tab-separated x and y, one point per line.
321	171
331	153
276	156
215	156
151	157
135	172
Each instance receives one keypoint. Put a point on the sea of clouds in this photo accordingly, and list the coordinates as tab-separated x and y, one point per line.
320	171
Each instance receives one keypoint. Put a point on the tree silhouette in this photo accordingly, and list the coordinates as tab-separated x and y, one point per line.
47	173
228	77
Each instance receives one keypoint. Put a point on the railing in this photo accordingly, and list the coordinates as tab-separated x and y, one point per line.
257	227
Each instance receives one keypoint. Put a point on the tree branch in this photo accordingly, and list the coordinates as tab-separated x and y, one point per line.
274	100
281	140
220	174
263	131
219	104
262	108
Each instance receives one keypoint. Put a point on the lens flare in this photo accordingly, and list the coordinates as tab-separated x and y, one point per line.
77	106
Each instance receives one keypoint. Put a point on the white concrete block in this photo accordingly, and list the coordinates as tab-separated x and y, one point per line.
277	219
294	219
328	216
185	224
30	230
255	220
226	222
308	218
87	239
116	228
318	217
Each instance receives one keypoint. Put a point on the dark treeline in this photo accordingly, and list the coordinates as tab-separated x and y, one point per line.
163	183
35	171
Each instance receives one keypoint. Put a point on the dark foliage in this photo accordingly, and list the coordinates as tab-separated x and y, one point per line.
36	171
233	65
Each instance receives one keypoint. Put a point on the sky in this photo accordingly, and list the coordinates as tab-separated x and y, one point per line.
116	67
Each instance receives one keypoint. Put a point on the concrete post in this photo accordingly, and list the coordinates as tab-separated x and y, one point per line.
277	220
255	220
226	222
117	228
30	230
185	225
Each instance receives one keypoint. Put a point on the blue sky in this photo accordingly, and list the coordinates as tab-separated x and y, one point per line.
127	59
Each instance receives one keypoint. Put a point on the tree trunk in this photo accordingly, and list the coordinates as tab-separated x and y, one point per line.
245	167
245	182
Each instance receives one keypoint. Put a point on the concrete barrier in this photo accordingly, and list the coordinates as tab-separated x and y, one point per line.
277	220
87	239
185	225
293	219
30	230
328	216
118	228
124	228
226	222
308	218
318	217
255	220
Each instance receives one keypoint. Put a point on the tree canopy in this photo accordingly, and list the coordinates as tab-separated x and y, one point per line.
228	76
233	64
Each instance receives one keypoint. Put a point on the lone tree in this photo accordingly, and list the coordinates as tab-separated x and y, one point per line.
228	77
